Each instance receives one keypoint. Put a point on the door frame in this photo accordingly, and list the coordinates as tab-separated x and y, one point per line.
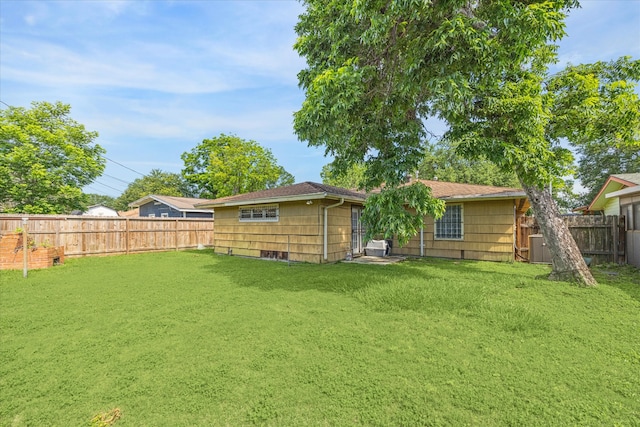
357	230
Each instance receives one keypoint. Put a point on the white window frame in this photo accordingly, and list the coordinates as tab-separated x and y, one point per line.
164	215
450	220
151	215
259	213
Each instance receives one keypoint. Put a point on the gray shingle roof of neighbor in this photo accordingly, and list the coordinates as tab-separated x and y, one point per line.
633	178
310	190
178	203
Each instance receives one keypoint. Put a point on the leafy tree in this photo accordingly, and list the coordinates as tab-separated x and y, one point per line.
155	182
353	177
442	162
101	199
227	165
45	159
598	162
377	70
602	108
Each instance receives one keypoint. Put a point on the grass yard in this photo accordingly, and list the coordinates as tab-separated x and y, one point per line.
195	339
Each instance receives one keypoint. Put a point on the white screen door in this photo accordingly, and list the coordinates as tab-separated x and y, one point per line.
357	230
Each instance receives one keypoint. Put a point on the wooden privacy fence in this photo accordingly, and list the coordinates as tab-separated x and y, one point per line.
83	235
600	238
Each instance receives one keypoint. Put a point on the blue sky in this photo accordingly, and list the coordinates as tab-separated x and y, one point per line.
156	78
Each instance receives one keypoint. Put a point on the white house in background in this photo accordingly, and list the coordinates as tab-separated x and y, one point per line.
100	210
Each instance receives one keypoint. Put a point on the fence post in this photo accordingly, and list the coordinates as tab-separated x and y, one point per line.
25	247
614	231
126	235
175	224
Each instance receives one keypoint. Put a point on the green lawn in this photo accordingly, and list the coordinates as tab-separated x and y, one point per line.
195	339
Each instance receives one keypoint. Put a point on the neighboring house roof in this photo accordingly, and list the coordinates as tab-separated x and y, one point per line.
302	191
614	183
310	190
182	204
130	213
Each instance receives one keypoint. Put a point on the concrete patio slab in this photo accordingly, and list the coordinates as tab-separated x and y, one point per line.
376	260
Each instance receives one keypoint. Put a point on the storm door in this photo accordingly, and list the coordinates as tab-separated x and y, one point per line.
357	230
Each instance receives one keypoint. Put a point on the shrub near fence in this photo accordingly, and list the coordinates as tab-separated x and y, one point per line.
598	237
90	236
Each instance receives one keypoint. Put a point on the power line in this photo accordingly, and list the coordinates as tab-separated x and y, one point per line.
126	167
117	179
108	186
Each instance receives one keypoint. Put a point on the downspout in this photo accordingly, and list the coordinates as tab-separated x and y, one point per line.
326	208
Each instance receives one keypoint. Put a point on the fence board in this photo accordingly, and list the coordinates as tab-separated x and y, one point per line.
597	236
86	236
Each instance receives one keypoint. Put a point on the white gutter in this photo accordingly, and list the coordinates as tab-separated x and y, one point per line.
326	208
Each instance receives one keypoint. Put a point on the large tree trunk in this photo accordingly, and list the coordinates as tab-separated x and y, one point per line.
566	258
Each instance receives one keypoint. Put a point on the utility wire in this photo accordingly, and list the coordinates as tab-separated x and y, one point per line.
117	179
108	186
126	167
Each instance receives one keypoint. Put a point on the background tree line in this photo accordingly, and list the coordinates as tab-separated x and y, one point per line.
46	158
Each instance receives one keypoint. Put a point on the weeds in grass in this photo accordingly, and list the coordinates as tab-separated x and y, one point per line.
106	419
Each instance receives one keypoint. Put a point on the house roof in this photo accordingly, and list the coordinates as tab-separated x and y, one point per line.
455	190
311	190
302	191
614	183
182	204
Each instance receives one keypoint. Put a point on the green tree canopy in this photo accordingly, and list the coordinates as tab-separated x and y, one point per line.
155	182
598	112
228	165
353	177
377	70
442	162
45	159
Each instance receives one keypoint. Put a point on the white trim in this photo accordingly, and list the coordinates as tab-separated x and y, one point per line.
624	192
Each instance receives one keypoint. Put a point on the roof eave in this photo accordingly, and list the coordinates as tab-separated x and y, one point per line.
624	192
598	202
478	197
282	199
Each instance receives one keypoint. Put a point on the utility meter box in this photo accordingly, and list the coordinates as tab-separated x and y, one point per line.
538	250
